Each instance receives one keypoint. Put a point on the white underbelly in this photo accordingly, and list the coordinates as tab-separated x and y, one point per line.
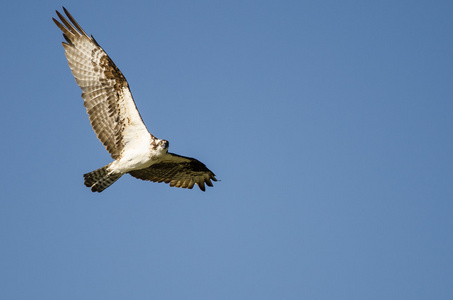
137	153
129	163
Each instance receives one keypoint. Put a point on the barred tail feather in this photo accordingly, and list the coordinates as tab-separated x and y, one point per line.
100	179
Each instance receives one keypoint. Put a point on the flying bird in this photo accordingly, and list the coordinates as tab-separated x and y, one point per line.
117	122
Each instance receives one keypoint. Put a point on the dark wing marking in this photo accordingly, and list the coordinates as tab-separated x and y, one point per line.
178	171
108	100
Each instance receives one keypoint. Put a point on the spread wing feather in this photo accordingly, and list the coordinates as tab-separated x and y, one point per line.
178	171
105	91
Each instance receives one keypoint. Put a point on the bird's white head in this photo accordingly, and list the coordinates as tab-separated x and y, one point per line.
162	145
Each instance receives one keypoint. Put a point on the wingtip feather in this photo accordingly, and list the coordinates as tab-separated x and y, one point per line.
201	186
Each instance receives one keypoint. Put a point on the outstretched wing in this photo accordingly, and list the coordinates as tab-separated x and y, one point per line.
179	171
105	91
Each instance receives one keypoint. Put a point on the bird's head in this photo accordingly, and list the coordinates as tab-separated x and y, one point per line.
163	145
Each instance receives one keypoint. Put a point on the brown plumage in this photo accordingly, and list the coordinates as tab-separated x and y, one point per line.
178	171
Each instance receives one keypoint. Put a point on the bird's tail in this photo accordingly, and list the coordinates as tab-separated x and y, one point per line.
100	179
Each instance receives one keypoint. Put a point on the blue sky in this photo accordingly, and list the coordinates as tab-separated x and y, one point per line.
329	124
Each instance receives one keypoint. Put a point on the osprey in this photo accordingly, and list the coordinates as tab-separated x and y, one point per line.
117	122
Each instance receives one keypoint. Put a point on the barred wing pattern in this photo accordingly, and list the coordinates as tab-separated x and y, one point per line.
108	100
178	171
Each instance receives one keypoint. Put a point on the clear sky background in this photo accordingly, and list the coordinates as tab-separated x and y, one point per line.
329	124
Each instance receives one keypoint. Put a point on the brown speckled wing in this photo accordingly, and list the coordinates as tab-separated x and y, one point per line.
178	171
105	91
